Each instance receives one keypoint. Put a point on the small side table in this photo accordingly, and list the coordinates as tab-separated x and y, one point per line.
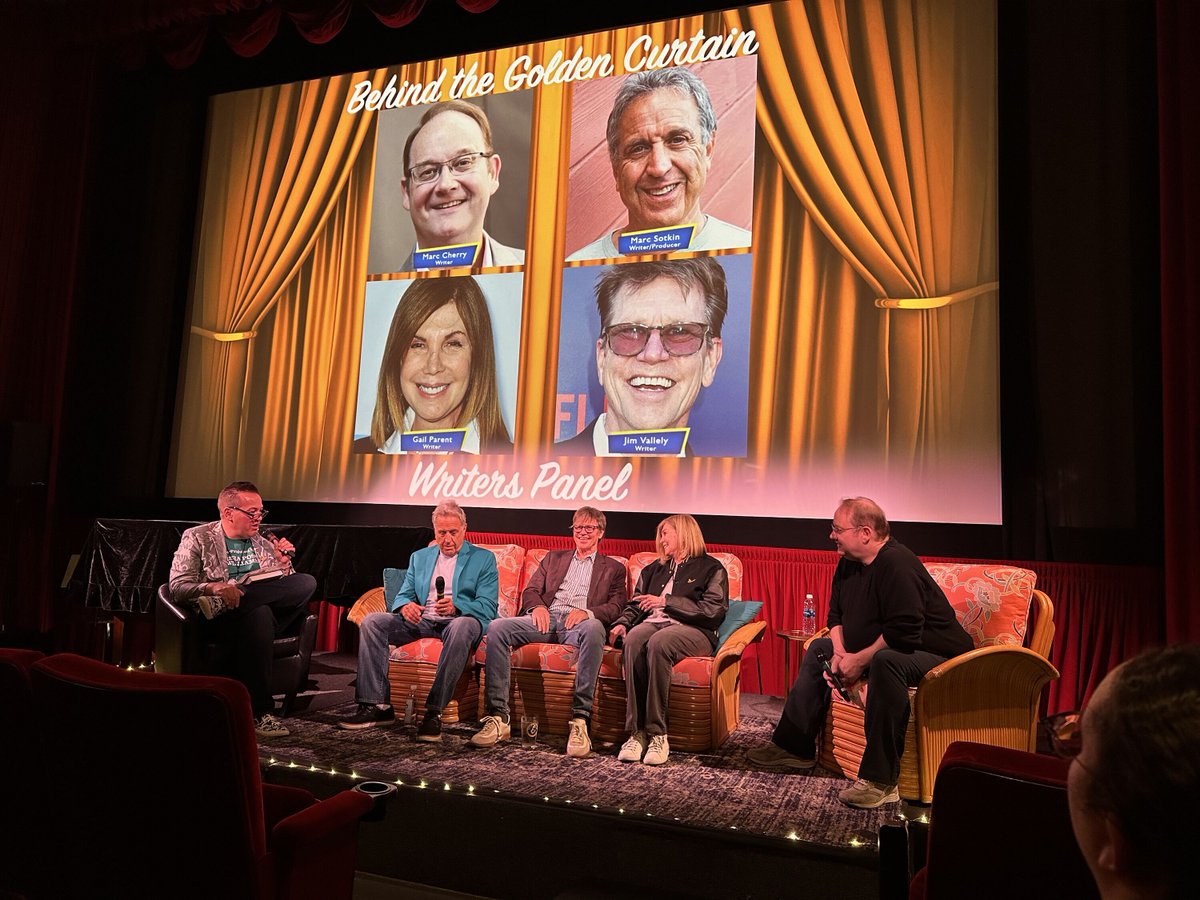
791	636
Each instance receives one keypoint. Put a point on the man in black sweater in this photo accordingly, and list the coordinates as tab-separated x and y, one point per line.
889	624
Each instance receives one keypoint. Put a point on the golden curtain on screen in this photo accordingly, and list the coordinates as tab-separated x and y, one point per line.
279	163
880	117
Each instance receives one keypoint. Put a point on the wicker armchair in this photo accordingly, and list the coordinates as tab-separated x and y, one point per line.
411	668
990	695
705	701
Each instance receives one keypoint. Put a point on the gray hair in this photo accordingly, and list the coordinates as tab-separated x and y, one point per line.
676	78
450	508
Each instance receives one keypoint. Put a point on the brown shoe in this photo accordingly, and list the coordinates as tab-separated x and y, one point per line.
772	756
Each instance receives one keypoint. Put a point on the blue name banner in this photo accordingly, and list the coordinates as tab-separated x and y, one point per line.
446	257
656	240
668	442
432	441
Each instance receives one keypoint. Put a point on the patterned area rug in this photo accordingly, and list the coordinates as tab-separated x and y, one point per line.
717	790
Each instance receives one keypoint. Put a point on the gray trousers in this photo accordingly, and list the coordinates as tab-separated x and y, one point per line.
505	635
651	651
460	636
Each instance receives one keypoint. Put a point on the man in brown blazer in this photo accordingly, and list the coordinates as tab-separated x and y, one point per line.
572	599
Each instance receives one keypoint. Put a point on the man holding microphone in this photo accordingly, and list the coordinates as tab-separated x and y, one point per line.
450	592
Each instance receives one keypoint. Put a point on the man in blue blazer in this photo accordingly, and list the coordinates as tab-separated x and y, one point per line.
449	592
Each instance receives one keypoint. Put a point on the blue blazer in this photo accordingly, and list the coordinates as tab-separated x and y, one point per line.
476	587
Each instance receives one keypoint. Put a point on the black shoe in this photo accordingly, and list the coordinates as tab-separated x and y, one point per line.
368	716
430	729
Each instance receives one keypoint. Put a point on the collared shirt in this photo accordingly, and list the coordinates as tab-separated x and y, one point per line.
444	567
573	592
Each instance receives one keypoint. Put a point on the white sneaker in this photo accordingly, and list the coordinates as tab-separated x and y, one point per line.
632	749
268	726
658	752
494	730
579	744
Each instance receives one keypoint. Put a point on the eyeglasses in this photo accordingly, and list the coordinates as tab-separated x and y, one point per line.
251	513
838	530
678	338
425	172
1065	731
585	529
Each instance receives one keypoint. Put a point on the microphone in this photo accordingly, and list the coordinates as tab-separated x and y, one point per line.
274	539
439	585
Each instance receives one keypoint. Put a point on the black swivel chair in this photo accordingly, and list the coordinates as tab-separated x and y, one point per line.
179	649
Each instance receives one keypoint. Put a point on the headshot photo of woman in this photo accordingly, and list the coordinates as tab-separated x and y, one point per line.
437	370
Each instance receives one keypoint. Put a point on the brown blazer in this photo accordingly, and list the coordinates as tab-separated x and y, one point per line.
607	592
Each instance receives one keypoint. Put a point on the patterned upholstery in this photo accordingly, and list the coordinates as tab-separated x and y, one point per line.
990	695
704	705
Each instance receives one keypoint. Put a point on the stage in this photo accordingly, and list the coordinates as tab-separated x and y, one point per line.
530	822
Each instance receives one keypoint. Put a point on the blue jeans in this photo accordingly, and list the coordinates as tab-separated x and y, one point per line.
460	636
504	635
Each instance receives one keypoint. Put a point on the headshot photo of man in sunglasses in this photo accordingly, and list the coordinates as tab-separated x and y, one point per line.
659	348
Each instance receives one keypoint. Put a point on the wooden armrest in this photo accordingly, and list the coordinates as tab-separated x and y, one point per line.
737	642
824	632
370	602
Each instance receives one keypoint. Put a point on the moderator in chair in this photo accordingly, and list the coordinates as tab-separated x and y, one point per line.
990	695
705	700
180	650
154	785
412	667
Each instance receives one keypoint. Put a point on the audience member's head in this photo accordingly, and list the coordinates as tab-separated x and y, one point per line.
1134	787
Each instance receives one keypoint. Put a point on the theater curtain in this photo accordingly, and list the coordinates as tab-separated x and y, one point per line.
1179	198
280	169
841	107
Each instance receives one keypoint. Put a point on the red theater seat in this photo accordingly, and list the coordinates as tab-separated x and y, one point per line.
152	789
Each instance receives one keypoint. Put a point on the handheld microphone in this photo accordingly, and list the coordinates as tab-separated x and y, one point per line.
835	678
439	585
274	539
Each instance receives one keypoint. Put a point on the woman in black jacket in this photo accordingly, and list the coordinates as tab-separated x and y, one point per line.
679	602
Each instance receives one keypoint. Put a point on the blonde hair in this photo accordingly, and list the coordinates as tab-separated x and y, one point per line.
691	540
482	401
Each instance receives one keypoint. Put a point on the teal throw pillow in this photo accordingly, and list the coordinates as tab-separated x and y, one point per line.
740	612
392	581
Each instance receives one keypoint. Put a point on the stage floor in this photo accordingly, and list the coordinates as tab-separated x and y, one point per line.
716	794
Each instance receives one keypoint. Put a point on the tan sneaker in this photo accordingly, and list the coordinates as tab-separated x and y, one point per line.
494	730
633	749
772	756
268	726
579	744
658	751
865	794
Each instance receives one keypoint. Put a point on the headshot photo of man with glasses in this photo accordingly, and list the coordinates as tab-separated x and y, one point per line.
663	335
442	167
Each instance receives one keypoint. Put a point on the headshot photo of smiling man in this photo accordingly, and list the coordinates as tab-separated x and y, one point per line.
667	334
440	199
661	146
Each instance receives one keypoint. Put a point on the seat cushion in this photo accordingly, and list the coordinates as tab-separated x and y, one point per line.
426	650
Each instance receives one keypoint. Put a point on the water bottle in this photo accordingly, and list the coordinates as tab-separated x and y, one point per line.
410	706
810	616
